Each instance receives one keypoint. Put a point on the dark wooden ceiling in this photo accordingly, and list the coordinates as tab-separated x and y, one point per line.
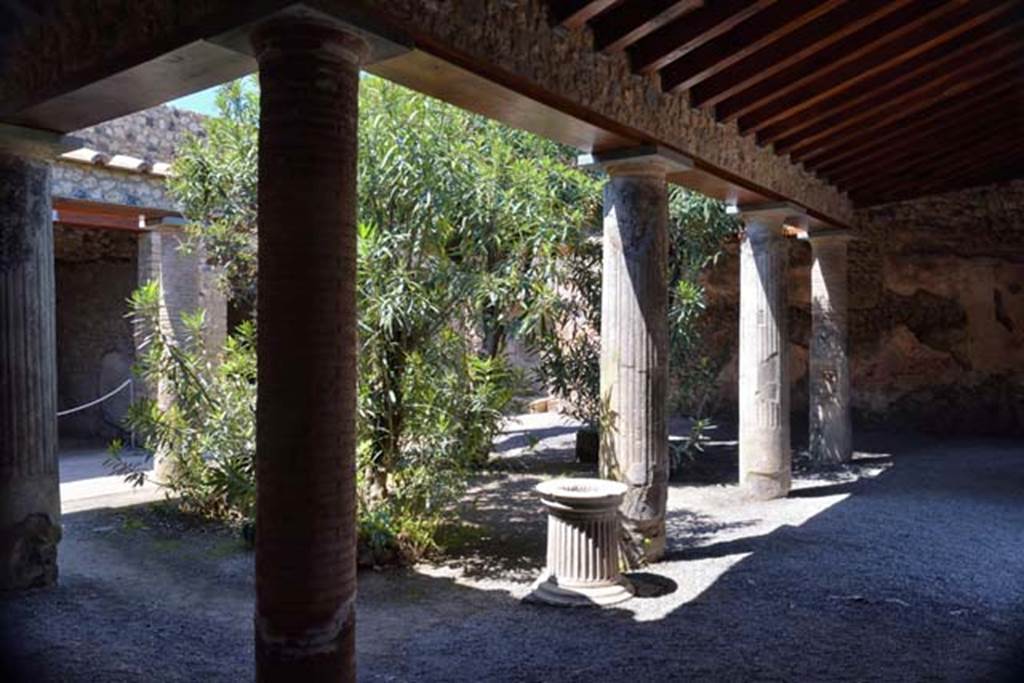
885	99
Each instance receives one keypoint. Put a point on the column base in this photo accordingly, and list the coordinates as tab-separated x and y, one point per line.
29	552
766	487
651	543
548	592
164	469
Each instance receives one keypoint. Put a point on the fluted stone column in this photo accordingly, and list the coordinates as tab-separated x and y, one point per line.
829	374
764	446
634	336
305	442
29	479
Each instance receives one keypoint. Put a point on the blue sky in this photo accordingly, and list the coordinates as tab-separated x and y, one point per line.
201	101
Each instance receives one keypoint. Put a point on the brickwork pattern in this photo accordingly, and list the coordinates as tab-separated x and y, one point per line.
306	503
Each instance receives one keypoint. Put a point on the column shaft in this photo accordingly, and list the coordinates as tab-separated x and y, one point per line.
828	376
186	285
634	350
306	504
764	448
29	482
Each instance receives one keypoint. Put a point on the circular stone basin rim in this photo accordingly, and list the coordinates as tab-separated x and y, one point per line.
581	489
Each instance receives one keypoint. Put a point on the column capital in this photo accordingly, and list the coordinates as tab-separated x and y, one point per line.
292	33
643	160
776	213
36	143
163	223
827	235
365	39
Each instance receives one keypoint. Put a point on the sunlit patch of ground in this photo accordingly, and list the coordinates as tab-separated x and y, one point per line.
904	565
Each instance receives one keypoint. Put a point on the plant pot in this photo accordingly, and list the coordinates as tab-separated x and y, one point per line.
588	445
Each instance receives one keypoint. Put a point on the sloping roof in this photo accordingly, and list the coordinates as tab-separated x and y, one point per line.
120	162
886	99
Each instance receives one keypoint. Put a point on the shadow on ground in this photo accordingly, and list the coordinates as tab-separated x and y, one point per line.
904	566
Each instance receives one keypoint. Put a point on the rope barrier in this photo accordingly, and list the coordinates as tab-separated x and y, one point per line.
90	404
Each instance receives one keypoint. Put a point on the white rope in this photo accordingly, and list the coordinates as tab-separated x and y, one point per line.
90	404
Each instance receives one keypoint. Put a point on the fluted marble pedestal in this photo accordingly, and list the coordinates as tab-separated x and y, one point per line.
583	544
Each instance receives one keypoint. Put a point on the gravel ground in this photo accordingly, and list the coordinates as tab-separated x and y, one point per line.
907	565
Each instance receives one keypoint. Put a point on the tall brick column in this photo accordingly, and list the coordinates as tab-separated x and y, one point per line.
29	479
634	336
186	285
305	475
828	373
765	455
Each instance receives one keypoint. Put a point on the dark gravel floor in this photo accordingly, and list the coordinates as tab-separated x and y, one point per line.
907	566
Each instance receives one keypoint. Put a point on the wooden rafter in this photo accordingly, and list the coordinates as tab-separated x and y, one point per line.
947	91
629	22
885	136
912	139
800	45
906	98
929	64
847	64
884	99
689	33
769	26
910	158
928	165
943	171
575	13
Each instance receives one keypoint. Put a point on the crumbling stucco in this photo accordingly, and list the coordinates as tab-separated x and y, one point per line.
936	312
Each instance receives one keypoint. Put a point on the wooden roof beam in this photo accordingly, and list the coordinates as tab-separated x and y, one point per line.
629	22
1006	165
911	139
902	97
910	155
936	93
573	14
934	61
774	23
896	38
885	135
801	44
684	35
972	149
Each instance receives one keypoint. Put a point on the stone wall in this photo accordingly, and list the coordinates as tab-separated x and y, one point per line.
72	180
95	274
936	313
153	134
